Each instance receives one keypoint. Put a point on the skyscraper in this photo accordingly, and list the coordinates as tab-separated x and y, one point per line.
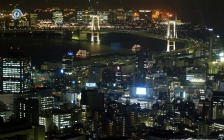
67	62
141	67
15	73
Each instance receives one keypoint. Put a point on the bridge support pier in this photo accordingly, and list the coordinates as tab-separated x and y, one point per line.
95	25
95	35
171	35
171	45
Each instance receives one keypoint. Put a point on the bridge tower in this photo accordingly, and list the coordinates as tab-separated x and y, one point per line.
171	35
95	27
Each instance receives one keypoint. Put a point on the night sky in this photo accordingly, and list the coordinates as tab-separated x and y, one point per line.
207	12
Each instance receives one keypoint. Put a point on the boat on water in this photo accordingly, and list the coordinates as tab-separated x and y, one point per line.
136	48
82	54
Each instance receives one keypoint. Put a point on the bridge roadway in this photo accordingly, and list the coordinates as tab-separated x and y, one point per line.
139	33
61	30
188	42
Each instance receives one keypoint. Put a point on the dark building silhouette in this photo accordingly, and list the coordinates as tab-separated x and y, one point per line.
67	62
20	130
93	99
108	76
27	109
59	80
141	67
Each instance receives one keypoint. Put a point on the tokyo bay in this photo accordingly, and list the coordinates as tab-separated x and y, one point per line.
52	49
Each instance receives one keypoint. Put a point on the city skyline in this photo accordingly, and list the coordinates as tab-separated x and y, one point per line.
122	69
206	12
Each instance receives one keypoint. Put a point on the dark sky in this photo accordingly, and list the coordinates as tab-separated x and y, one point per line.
208	12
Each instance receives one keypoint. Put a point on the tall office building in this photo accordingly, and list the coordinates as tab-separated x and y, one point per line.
141	65
44	96
92	102
62	119
59	79
15	73
67	62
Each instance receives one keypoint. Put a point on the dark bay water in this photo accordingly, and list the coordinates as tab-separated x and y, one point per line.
52	49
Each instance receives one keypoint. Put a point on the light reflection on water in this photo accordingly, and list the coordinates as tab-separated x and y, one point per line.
52	49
